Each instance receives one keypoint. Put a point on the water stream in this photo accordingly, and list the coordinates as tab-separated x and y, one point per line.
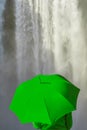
42	36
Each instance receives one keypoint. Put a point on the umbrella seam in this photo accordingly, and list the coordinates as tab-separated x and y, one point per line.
66	100
46	108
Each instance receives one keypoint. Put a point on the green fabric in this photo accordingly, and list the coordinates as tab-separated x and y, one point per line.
44	98
64	123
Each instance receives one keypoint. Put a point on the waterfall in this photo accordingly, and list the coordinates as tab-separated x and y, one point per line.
42	36
52	34
1	20
50	39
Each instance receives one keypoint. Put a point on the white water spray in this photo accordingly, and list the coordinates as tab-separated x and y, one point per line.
49	35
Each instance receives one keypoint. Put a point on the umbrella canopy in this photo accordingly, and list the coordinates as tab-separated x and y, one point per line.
63	123
44	98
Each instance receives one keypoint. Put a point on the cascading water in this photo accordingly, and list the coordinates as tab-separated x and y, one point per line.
42	36
52	33
1	48
50	39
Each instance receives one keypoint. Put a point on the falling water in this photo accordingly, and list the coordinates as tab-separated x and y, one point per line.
49	35
45	36
1	48
52	34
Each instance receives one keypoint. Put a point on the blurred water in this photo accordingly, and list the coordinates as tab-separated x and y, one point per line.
8	73
1	10
8	49
38	36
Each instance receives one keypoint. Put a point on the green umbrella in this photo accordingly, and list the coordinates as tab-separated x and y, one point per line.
63	123
44	98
